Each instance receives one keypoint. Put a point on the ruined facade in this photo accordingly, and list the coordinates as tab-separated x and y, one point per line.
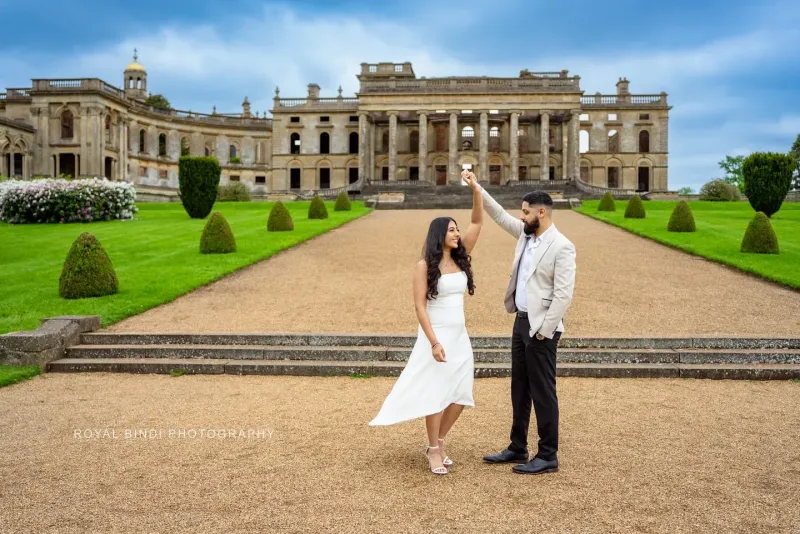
398	128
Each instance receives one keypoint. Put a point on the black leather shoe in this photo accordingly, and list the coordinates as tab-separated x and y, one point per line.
537	466
506	457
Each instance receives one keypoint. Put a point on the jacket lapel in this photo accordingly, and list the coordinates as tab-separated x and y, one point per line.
541	250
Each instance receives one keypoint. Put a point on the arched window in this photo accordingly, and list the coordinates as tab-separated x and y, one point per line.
294	141
142	138
467	132
324	143
207	151
644	141
584	141
138	83
353	143
385	142
184	146
108	129
162	145
67	125
413	141
613	142
232	151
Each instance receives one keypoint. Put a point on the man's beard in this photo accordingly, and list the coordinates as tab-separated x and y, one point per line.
530	229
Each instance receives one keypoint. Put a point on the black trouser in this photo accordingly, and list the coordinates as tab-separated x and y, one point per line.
533	378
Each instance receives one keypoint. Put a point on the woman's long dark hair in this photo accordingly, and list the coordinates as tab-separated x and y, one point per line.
434	250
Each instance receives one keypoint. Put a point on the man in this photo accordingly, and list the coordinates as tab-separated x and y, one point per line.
539	292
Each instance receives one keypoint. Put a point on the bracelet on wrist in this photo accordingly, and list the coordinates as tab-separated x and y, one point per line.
434	345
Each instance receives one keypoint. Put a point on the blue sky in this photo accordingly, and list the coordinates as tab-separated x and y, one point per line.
731	69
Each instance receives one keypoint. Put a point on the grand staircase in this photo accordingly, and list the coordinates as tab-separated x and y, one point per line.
385	355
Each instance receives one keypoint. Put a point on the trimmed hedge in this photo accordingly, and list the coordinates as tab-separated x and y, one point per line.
681	219
65	201
280	220
317	209
87	271
635	208
217	236
767	178
760	238
198	179
234	191
342	202
607	203
719	191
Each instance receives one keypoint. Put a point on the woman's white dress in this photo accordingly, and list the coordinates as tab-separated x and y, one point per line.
425	386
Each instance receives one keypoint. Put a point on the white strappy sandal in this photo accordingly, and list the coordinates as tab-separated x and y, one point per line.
434	470
447	461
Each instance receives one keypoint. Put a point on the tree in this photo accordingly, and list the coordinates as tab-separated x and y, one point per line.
686	191
795	153
732	165
158	101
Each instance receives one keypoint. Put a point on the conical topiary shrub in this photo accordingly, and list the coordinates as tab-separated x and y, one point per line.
681	219
635	208
87	271
217	236
342	202
280	220
317	209
760	238
607	203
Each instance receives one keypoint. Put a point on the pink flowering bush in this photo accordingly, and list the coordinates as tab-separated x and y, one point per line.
64	201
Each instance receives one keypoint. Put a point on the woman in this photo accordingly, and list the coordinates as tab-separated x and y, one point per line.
437	380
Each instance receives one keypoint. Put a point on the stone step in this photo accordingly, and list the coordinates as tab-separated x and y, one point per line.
401	354
399	340
393	369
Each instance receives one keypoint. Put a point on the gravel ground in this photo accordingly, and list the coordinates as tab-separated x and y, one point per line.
357	279
669	456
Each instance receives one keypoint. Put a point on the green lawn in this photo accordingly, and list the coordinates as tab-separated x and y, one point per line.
10	374
156	257
720	229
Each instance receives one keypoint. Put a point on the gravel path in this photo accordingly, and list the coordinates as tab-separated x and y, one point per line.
357	279
636	456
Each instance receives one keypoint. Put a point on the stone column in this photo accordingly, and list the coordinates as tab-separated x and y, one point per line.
84	133
453	171
574	145
362	146
423	146
373	133
483	148
392	147
564	151
43	141
514	146
545	167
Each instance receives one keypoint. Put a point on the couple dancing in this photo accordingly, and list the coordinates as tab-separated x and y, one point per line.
437	380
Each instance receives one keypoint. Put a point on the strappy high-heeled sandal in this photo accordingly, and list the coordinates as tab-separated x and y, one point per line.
447	462
435	470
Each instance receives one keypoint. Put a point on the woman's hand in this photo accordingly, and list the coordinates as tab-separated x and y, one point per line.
438	353
470	179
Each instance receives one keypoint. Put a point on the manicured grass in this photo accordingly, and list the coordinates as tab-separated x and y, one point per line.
720	229
11	374
156	258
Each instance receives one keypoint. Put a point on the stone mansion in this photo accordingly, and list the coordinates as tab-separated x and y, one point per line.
399	128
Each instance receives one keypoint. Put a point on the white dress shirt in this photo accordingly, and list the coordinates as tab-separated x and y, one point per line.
524	271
